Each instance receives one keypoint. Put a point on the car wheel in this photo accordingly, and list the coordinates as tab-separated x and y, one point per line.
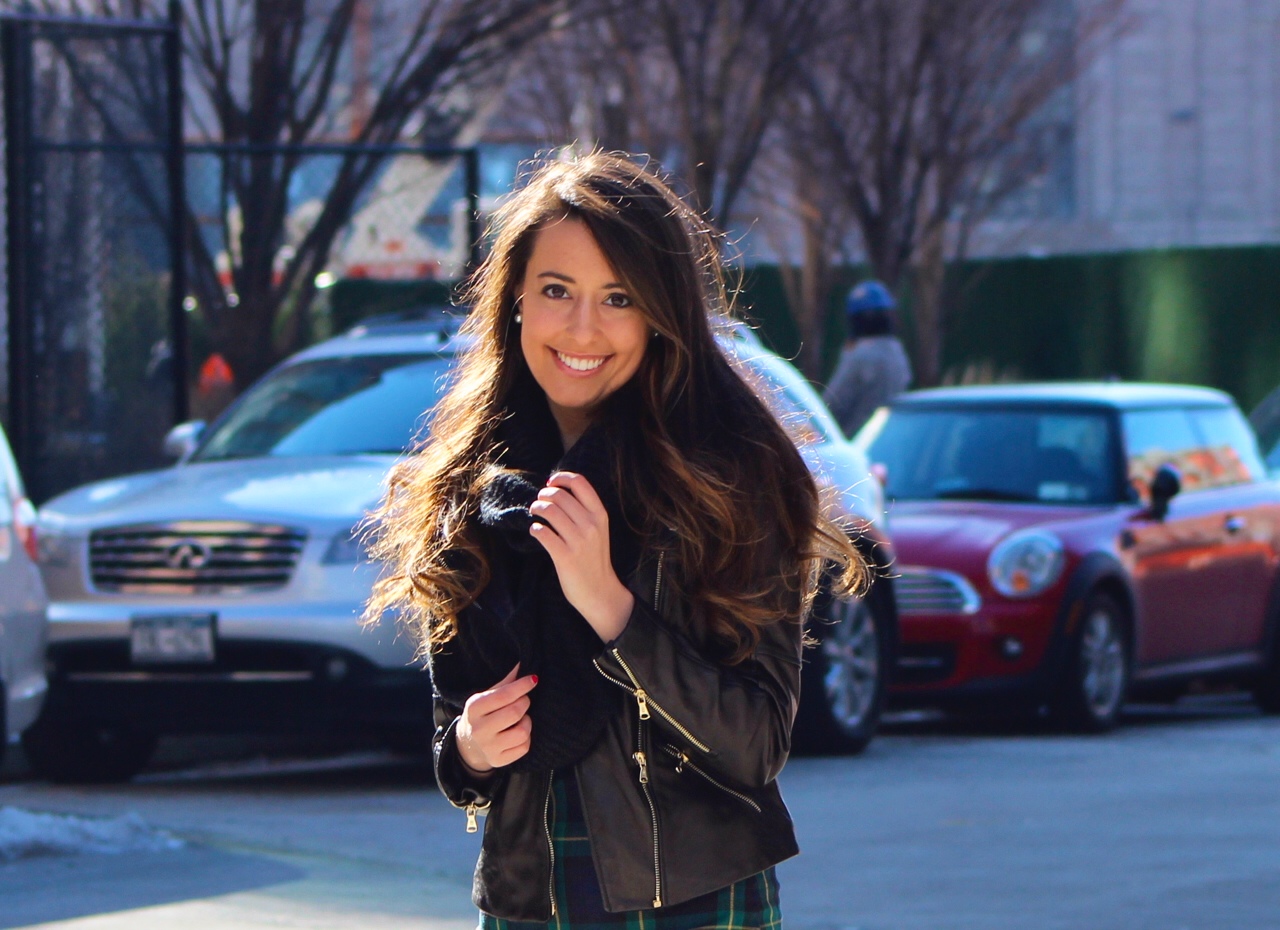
83	752
1266	689
845	675
1096	679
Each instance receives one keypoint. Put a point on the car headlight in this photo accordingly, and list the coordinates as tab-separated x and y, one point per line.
1026	564
347	547
54	547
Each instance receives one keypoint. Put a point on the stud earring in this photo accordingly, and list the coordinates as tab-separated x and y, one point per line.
519	317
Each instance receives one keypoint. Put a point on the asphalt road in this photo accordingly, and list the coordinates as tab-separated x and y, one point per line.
1173	822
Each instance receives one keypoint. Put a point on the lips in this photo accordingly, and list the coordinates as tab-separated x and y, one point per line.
580	363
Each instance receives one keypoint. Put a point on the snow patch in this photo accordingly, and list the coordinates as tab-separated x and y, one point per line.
24	834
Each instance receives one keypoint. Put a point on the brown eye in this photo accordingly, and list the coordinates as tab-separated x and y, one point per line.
619	300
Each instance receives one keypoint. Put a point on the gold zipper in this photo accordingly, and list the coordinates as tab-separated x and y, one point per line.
643	763
646	702
472	809
684	761
551	846
639	757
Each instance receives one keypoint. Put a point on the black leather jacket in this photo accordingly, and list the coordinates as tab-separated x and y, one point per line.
679	795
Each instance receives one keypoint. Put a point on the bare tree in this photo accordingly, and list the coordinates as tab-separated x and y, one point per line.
268	78
695	83
811	230
919	117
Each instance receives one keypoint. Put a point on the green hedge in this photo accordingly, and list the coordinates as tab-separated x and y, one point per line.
1200	316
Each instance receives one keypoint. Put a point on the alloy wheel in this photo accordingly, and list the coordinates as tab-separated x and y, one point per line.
1102	664
852	652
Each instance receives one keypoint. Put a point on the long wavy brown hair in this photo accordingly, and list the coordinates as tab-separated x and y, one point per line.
719	475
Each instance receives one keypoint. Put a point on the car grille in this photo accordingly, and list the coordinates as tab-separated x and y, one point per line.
193	557
934	591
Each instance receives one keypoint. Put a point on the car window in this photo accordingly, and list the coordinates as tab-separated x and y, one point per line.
334	406
1230	447
1163	437
972	453
1265	420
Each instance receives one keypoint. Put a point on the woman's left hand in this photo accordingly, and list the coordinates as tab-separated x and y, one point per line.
575	533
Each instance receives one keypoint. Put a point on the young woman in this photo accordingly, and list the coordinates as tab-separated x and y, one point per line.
607	548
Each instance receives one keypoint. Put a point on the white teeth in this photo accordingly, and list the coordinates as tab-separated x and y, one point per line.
581	364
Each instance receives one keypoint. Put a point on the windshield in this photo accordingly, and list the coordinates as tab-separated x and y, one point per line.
1052	457
332	406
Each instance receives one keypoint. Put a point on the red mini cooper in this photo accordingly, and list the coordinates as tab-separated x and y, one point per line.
1070	545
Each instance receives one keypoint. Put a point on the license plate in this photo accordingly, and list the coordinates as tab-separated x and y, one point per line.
171	638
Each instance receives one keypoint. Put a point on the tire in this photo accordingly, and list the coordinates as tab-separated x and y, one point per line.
1091	694
83	752
1266	688
845	676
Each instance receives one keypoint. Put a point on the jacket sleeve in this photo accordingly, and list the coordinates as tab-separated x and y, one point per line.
735	720
456	783
460	787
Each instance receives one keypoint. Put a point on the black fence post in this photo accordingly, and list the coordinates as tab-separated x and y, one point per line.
15	45
471	169
177	166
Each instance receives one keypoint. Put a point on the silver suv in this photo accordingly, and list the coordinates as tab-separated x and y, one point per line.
22	606
224	594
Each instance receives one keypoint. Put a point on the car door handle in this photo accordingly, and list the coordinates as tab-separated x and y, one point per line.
1234	524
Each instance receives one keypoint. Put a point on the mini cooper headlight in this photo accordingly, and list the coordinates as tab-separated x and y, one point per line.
1026	564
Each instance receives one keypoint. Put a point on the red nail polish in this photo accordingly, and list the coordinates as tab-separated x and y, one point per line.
535	678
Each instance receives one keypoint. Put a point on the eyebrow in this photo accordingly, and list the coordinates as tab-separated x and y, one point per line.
568	280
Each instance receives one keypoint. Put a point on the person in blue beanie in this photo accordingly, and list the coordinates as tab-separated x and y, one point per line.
873	367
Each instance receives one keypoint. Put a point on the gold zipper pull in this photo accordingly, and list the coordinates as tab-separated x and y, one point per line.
644	767
657	902
643	700
680	764
472	825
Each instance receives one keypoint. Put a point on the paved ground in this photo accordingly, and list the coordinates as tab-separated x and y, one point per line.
1173	822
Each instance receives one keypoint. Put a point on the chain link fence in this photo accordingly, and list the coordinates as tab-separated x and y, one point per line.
90	246
122	242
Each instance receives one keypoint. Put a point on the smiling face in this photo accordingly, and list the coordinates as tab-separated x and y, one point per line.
582	335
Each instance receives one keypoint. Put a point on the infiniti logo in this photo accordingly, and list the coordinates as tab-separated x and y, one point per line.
187	554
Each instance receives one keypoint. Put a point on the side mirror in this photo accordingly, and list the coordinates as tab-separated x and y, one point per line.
182	440
1165	485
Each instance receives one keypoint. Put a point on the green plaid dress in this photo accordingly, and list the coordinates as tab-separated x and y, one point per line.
745	905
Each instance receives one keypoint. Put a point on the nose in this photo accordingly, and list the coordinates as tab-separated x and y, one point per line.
583	319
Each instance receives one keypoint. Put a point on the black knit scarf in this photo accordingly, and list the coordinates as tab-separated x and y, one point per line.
522	615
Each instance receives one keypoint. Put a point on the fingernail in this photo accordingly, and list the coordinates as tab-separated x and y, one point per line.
535	678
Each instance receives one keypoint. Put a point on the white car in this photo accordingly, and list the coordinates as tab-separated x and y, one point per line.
224	594
22	606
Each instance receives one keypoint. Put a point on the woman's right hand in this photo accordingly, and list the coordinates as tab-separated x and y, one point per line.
494	729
